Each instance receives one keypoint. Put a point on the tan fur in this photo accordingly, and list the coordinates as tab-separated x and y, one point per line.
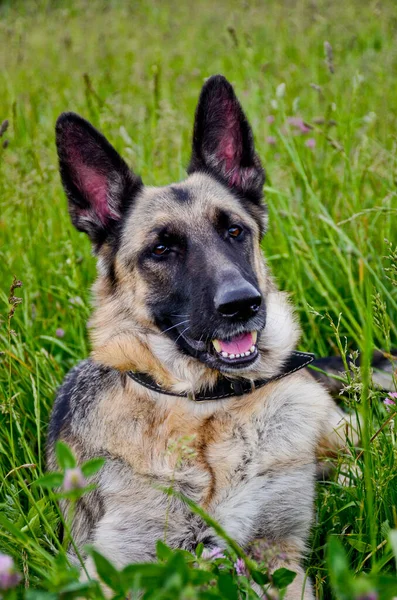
122	333
250	460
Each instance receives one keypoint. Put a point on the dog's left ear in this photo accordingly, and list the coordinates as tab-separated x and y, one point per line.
223	143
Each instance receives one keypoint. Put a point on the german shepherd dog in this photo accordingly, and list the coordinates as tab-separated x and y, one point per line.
191	340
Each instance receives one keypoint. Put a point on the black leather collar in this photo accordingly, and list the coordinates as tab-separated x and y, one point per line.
228	388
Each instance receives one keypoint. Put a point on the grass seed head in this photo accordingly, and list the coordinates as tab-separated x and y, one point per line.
4	127
14	300
329	57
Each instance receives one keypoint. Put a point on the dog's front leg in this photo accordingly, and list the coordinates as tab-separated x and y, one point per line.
300	589
290	557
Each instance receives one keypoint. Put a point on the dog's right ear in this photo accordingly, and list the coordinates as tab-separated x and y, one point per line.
98	183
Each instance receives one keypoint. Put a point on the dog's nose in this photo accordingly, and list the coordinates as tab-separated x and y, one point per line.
237	302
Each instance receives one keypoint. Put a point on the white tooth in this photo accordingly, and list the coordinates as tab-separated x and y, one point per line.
231	356
237	355
252	349
254	336
217	345
247	353
225	354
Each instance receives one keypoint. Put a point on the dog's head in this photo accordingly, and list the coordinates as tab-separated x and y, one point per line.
183	291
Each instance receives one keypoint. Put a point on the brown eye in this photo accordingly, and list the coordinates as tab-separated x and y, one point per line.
160	250
235	231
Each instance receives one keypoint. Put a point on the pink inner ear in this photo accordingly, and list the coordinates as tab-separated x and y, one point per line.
235	178
94	186
227	152
91	182
241	175
229	145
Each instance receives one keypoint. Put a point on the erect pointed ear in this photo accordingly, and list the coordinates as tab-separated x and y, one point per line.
223	143
98	183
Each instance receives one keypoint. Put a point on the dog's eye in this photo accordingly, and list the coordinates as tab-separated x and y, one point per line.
235	231
160	250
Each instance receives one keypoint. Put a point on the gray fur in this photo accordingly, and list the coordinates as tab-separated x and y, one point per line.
250	461
267	457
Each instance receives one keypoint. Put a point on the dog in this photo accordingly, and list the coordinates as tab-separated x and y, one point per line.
191	340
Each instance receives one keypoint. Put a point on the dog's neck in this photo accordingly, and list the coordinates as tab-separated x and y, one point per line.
226	387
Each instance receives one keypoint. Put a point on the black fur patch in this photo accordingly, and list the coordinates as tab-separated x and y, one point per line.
61	411
76	394
181	194
183	286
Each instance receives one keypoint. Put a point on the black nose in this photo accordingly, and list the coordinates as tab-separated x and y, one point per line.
240	301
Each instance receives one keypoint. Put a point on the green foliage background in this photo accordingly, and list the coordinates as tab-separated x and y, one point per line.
135	70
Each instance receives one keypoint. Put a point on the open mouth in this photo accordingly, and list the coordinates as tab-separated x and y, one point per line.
232	353
240	349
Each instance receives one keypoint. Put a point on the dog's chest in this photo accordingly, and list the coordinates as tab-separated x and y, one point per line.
253	470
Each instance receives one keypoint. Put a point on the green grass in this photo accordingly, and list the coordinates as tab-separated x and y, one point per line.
135	70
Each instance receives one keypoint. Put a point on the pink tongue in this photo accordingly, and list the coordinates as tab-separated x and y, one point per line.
238	345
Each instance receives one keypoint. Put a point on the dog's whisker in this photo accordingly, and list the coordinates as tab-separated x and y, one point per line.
182	333
174	326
